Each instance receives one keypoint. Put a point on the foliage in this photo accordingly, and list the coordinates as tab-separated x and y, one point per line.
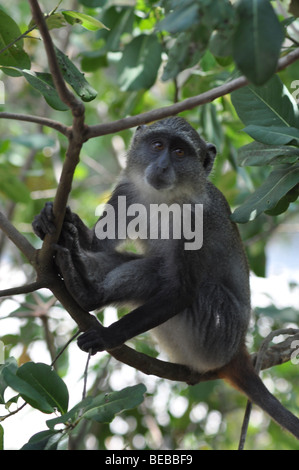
44	390
135	57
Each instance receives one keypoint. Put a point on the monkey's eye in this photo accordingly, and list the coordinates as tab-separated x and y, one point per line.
179	152
158	145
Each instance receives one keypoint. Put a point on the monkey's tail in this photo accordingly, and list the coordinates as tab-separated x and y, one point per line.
241	374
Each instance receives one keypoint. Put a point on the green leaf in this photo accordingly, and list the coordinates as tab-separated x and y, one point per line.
278	183
217	15
12	364
180	19
43	83
74	77
38	385
140	63
120	21
186	51
211	125
269	105
257	40
178	56
257	154
11	186
44	440
273	134
72	415
47	382
104	407
27	392
93	60
221	43
285	201
88	22
56	20
14	56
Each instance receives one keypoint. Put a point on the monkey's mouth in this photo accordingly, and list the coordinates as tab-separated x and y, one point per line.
159	179
159	182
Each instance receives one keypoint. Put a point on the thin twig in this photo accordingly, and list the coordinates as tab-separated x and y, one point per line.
64	348
85	376
2	418
58	126
17	39
17	238
25	289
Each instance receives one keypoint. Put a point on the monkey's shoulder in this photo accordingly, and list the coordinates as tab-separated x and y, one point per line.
218	228
216	200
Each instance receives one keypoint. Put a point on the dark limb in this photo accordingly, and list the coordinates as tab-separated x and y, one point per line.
153	313
44	223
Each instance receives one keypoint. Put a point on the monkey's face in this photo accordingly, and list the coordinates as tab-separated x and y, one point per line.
169	155
164	159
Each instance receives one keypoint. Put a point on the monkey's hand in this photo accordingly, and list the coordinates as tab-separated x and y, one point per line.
78	268
76	264
44	223
96	340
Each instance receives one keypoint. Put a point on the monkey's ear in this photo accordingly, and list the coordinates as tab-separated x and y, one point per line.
209	157
141	127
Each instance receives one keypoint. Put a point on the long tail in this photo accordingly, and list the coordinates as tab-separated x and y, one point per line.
241	374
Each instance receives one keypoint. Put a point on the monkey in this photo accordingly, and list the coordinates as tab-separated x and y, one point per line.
195	299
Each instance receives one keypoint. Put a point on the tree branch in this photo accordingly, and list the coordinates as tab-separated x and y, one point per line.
268	357
17	238
58	126
75	136
189	103
160	113
25	289
275	355
65	94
